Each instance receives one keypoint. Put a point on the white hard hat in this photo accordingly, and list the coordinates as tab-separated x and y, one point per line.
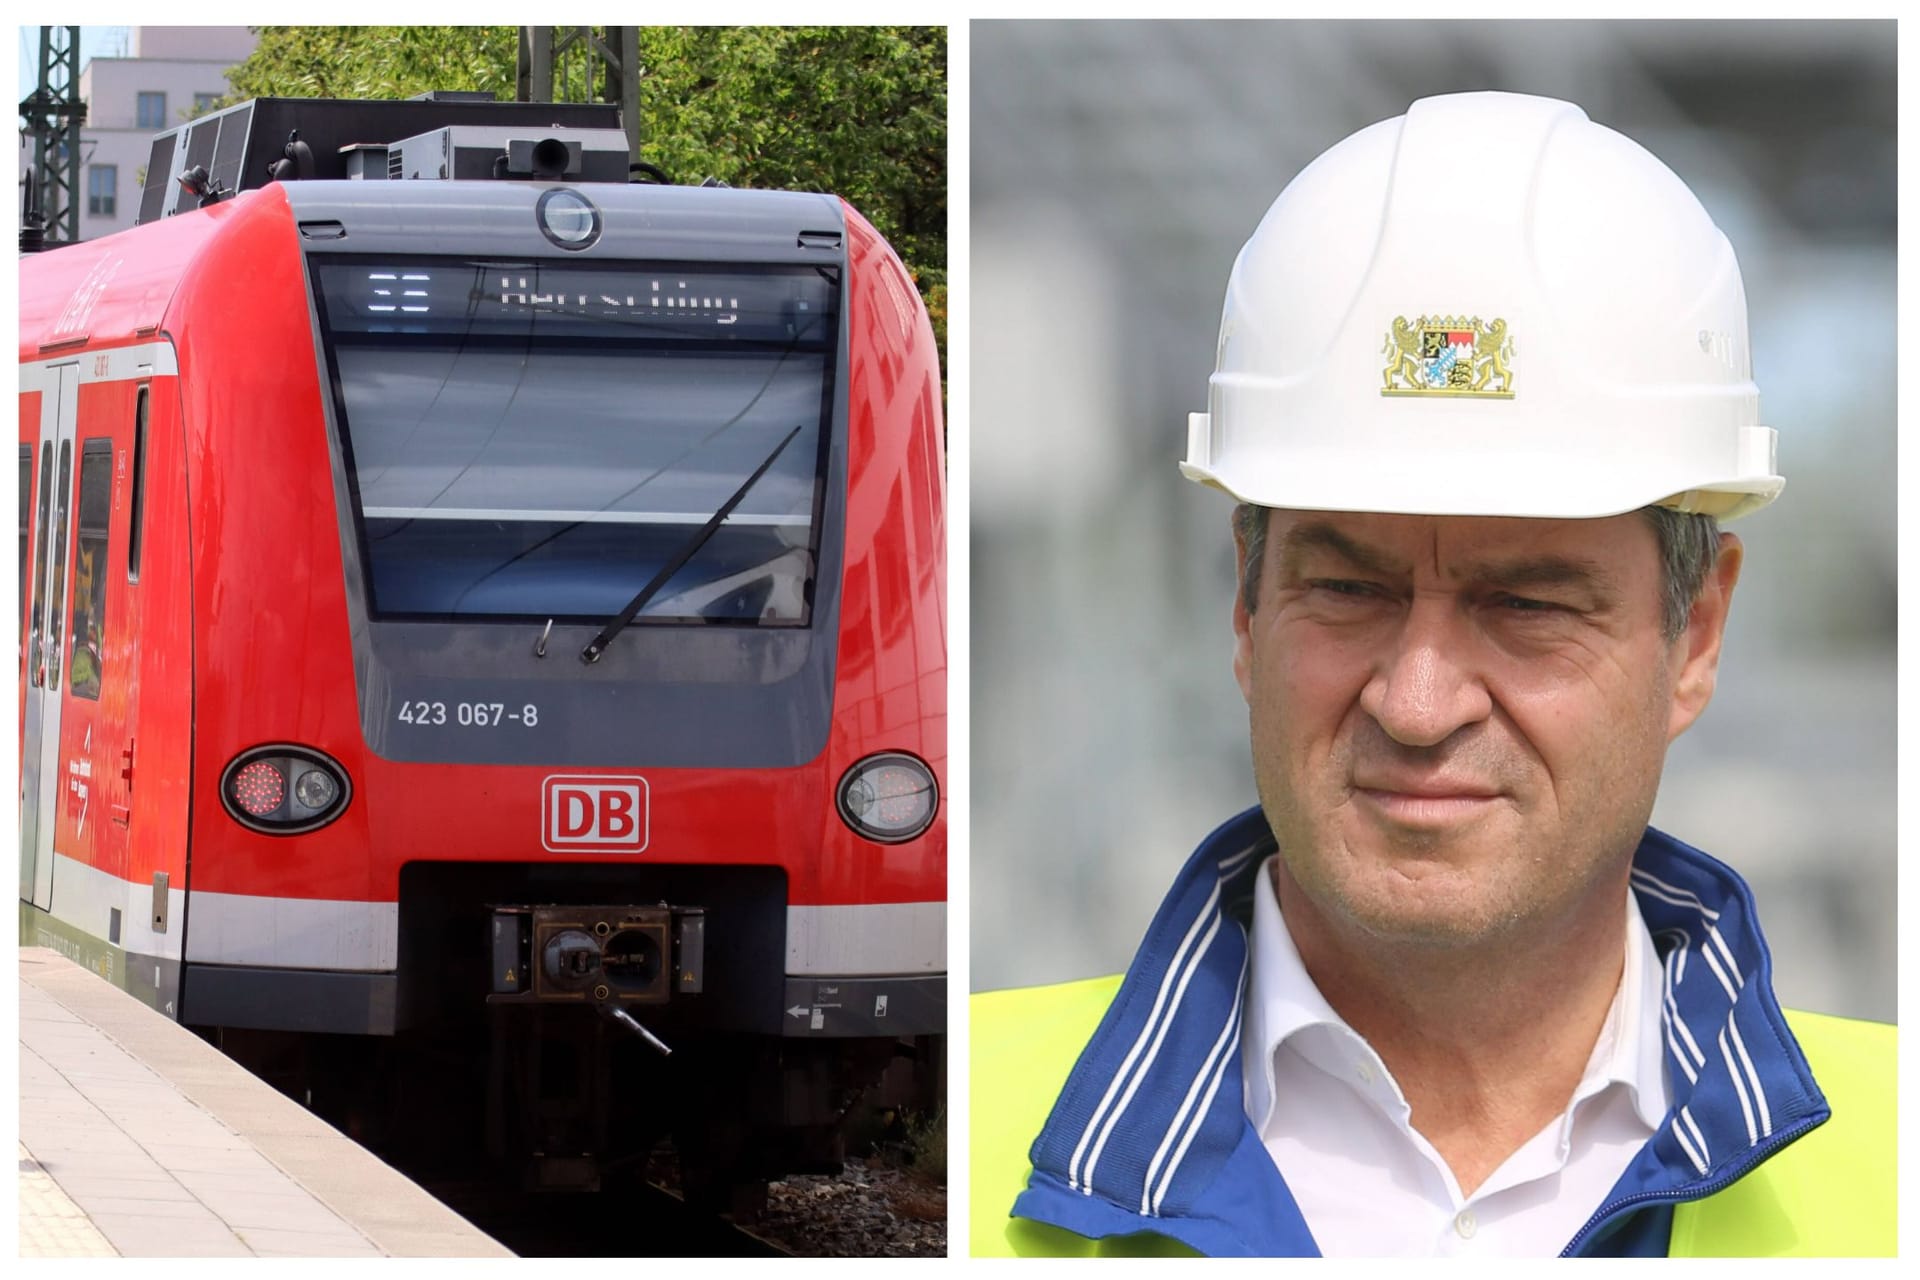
1487	306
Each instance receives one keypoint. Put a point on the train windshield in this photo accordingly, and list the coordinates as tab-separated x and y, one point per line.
535	440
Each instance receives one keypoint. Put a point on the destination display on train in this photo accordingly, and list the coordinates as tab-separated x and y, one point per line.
770	304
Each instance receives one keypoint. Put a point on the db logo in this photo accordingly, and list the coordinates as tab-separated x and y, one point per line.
585	812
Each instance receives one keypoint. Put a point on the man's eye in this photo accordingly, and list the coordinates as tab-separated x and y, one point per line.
1345	587
1524	604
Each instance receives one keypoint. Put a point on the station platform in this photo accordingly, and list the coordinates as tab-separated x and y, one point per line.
139	1139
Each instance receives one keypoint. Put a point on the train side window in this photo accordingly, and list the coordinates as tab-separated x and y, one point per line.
139	485
39	613
26	527
63	495
90	566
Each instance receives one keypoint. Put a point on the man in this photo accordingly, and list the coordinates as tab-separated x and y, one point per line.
1483	393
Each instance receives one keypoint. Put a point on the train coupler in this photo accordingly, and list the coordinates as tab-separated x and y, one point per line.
597	955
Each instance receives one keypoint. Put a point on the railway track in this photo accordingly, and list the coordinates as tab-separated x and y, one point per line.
436	1139
635	1221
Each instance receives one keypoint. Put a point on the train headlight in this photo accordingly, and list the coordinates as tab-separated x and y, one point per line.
567	218
256	793
316	789
888	797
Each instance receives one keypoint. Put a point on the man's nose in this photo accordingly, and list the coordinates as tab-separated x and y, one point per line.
1425	684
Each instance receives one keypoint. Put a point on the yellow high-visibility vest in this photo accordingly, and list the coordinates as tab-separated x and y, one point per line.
1829	1194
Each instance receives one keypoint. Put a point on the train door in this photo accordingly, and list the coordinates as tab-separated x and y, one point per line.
40	752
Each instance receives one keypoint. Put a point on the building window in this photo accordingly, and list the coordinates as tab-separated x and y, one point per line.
205	102
103	184
150	111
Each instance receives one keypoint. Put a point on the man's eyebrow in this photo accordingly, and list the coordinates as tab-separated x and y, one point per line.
1546	571
1549	570
1317	535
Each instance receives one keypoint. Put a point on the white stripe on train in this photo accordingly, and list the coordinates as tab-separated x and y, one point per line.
849	940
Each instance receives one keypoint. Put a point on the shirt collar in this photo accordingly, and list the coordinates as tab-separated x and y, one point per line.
1635	1058
1283	1000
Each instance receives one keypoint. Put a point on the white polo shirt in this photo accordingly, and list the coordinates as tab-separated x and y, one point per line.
1369	1185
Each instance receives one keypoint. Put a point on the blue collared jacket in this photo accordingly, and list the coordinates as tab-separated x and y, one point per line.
1150	1135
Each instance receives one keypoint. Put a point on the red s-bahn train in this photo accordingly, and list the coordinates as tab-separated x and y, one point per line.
483	624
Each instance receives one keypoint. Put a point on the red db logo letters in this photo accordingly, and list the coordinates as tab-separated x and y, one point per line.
593	812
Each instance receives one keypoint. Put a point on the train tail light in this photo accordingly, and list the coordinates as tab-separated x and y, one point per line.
283	790
260	789
888	797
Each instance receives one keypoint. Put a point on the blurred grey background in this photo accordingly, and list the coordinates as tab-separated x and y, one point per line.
1117	168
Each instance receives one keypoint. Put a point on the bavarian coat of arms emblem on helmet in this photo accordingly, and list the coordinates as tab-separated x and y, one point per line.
1449	356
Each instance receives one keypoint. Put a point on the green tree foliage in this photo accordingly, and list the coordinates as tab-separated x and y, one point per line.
375	62
858	111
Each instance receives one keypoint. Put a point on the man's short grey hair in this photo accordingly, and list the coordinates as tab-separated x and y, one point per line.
1688	543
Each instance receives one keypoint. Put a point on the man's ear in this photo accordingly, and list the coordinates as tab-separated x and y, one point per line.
1242	620
1697	650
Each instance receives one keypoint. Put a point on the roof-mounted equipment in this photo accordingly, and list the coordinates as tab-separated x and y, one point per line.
278	139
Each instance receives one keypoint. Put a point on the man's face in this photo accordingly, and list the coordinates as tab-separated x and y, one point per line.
1459	722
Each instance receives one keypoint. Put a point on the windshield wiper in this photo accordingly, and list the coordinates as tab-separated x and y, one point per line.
598	645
